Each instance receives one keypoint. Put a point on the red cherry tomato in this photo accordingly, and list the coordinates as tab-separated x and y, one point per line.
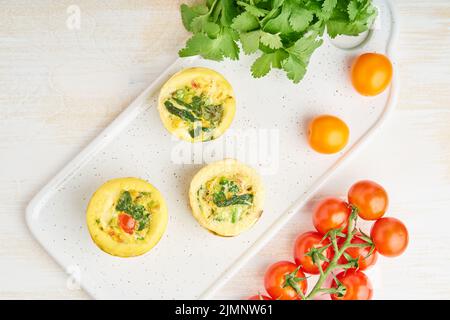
303	244
127	223
390	236
285	281
357	286
259	297
369	198
364	261
331	213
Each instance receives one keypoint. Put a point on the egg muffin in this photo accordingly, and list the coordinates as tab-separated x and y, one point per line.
126	217
197	104
226	197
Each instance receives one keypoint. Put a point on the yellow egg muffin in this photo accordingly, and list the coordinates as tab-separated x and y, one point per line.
226	197
197	104
126	217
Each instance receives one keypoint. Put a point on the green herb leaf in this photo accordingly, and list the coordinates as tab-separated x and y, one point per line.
295	68
353	19
267	61
252	9
245	22
212	48
273	41
304	47
280	24
228	11
262	65
299	55
201	44
250	41
229	47
352	9
327	7
190	13
300	19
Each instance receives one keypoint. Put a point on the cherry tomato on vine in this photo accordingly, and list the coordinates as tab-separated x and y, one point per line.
362	254
390	236
127	223
285	281
331	213
327	134
303	244
259	297
357	286
369	198
371	73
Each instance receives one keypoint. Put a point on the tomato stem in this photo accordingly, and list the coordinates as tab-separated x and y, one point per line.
291	280
359	245
333	265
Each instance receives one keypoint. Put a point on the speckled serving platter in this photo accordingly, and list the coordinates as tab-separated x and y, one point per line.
189	262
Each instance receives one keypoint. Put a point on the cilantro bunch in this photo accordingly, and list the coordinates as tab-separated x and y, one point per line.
285	32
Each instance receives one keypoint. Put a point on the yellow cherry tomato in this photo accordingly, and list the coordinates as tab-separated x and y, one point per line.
371	73
327	134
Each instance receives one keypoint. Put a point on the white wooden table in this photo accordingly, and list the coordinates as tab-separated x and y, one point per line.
51	108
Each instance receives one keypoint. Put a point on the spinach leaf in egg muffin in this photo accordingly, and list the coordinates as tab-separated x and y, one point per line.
220	199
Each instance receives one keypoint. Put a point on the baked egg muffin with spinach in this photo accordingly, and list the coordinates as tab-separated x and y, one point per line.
226	197
197	104
126	217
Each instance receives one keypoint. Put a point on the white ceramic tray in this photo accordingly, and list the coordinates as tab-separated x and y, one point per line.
190	262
